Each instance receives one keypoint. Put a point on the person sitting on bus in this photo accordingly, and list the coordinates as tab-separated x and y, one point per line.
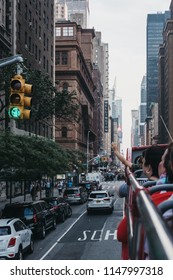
166	177
151	160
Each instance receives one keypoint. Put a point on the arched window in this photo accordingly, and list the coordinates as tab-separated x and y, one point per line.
64	132
65	86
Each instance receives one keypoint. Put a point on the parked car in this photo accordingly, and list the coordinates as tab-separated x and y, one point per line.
37	215
15	239
61	208
75	195
100	200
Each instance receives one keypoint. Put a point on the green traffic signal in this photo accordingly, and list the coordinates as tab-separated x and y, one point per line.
14	112
19	101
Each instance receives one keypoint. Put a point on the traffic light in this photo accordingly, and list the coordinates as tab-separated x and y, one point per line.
18	99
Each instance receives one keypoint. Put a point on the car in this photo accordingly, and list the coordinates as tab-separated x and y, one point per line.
100	200
90	186
61	207
75	195
37	215
15	239
109	176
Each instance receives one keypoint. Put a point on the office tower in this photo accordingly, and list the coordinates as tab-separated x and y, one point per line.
77	10
142	110
155	25
134	129
165	134
101	59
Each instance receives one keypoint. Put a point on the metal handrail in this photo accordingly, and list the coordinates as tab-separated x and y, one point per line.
163	187
147	216
165	205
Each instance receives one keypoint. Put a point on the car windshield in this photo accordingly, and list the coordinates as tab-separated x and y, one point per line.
18	212
98	195
53	202
28	213
5	230
71	191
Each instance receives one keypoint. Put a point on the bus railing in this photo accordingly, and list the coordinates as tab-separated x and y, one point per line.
145	222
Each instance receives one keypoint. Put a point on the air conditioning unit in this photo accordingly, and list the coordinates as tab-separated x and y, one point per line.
26	46
40	38
39	61
30	24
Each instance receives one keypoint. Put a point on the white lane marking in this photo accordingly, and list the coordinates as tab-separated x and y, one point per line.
101	236
42	258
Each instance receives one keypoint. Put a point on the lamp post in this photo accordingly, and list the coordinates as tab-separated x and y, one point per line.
88	148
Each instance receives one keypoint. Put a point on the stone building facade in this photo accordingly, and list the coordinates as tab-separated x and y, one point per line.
73	71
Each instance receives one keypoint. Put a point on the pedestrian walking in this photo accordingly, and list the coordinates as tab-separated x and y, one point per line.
33	193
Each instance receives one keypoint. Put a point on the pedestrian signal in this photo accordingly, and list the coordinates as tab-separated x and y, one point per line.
20	103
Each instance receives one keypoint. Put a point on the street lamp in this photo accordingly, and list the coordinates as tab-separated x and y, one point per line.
88	148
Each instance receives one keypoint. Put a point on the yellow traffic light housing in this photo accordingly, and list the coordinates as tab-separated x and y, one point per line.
18	99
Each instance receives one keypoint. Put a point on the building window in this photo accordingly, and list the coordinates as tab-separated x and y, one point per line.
58	31
39	31
64	58
51	51
26	12
36	27
67	31
57	57
64	132
19	31
61	58
19	5
44	62
36	52
29	42
65	86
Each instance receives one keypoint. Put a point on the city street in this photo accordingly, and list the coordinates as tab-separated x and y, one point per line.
83	237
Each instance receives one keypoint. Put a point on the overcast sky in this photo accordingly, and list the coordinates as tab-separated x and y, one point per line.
123	26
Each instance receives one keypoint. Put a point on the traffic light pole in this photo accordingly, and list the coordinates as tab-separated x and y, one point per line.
11	60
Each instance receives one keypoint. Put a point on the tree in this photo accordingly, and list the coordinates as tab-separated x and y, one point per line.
31	158
47	101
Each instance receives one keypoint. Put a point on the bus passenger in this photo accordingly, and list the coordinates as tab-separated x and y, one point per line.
151	160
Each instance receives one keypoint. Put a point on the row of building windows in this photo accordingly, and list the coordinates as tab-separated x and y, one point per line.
37	128
64	31
38	8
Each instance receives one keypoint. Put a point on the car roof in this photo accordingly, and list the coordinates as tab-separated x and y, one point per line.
74	188
50	198
99	192
6	222
18	204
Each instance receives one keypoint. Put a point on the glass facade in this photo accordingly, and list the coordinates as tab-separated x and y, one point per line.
155	25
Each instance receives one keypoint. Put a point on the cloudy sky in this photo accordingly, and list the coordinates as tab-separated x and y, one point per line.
123	27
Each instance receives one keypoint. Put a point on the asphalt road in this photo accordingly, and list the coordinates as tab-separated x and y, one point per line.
82	236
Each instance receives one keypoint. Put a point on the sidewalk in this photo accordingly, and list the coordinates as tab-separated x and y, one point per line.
27	198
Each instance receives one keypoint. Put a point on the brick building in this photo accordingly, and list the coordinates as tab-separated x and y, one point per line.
73	71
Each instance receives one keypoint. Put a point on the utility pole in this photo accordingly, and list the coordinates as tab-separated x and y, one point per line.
88	148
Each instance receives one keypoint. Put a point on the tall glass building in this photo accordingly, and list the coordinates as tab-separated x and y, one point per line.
155	25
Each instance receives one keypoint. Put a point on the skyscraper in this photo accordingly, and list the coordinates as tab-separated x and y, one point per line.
142	111
155	25
77	10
